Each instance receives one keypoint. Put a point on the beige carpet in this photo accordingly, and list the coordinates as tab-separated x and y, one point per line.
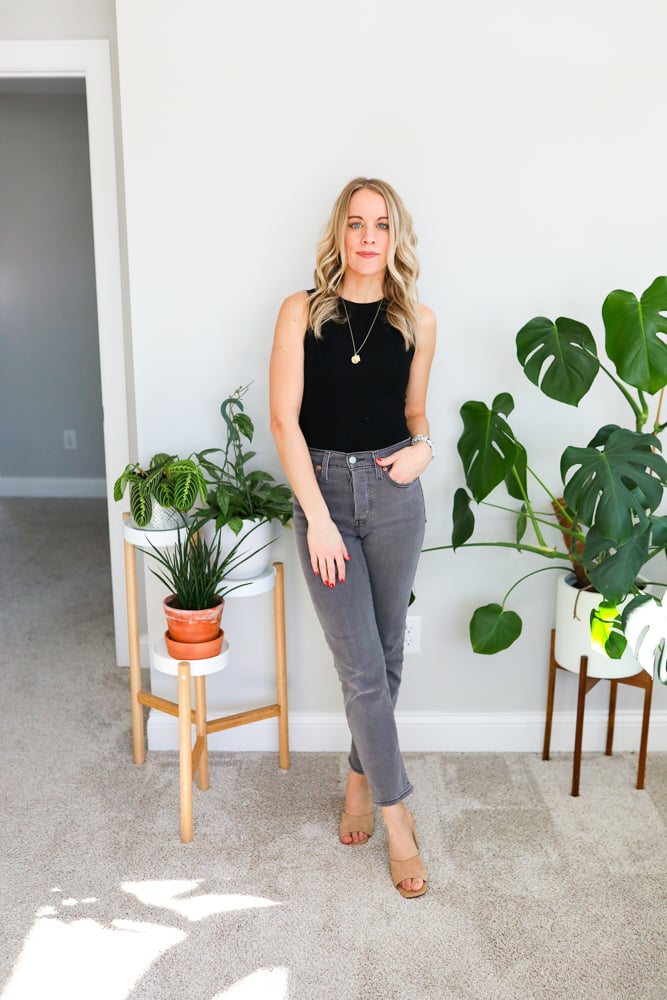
534	895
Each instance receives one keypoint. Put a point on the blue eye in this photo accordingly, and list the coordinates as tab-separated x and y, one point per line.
383	225
355	225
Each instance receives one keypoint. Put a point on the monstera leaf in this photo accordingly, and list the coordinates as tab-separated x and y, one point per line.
613	570
614	488
463	519
493	629
645	628
560	358
605	637
634	335
489	451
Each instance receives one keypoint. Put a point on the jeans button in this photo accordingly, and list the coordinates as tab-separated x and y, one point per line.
352	460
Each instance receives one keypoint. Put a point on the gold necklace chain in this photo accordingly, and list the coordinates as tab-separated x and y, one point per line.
355	359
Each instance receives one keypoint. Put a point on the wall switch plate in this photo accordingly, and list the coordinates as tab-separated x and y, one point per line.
69	440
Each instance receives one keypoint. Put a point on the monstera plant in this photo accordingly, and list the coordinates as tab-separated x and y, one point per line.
600	518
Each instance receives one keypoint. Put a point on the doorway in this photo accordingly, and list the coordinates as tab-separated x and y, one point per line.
88	62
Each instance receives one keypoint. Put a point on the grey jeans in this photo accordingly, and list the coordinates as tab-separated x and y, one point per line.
382	524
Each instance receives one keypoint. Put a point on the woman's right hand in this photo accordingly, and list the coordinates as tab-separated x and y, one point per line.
328	553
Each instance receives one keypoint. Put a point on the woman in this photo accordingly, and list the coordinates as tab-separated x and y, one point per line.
349	374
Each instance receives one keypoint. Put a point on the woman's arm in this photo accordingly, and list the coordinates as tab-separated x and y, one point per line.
327	549
409	463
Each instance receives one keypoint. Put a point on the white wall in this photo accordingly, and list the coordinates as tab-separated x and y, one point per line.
35	19
527	140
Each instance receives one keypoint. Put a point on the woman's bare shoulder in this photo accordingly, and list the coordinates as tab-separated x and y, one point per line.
426	333
426	316
295	306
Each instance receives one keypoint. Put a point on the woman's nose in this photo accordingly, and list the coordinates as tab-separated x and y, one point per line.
368	237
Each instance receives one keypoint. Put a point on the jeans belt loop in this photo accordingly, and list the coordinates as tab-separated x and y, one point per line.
325	465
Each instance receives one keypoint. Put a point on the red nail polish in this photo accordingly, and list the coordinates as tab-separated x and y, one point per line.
317	572
332	585
379	461
347	558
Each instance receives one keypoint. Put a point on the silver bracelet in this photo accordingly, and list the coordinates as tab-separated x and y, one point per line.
423	437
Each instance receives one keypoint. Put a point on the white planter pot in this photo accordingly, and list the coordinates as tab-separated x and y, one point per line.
164	518
573	634
256	564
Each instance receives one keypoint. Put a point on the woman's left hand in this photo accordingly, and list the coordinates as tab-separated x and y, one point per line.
407	464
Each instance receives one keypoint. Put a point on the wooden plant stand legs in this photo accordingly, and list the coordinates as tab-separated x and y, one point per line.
185	750
192	760
281	666
551	691
644	681
586	684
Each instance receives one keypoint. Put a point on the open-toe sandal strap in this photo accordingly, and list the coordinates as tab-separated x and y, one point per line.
412	868
356	824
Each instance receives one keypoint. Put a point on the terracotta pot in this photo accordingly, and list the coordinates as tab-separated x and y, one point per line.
192	626
194	650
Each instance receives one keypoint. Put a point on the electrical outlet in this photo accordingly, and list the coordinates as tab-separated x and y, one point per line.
413	634
69	440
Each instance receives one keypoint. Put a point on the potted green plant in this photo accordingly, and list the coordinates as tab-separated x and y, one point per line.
195	571
239	497
602	520
163	491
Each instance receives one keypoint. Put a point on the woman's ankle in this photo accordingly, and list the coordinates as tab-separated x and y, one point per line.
358	790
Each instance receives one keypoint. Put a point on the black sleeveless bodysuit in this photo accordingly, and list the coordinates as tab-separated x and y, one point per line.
360	407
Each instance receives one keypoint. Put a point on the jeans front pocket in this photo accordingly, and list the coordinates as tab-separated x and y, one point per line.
399	486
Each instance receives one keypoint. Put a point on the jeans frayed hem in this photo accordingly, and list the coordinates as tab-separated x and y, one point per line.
395	802
391	802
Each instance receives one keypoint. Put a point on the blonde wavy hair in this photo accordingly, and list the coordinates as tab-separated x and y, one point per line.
400	282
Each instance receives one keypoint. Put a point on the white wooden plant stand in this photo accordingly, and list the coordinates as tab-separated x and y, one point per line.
193	760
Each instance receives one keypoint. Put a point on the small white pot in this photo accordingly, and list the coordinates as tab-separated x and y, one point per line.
164	518
258	538
573	634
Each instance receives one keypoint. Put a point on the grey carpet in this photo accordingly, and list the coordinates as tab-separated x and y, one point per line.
533	894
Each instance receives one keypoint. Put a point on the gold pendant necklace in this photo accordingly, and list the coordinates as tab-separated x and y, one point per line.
355	359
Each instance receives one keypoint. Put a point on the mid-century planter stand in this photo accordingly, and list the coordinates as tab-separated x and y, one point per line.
640	680
195	760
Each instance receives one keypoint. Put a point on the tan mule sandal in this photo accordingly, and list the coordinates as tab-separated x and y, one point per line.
412	868
355	824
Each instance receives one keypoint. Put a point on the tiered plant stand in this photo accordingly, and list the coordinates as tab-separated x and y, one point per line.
194	760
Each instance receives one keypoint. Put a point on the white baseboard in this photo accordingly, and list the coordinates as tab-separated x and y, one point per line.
488	732
47	486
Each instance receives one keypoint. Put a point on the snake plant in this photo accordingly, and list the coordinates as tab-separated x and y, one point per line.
194	569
